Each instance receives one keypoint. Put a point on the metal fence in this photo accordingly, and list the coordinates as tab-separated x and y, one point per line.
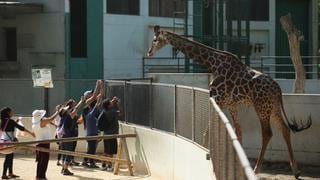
188	113
275	66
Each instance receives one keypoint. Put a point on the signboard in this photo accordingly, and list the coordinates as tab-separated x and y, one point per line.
42	78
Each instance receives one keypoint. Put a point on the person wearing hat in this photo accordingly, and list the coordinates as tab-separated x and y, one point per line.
40	126
8	126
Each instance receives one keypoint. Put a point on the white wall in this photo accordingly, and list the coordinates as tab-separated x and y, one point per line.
127	39
165	156
305	144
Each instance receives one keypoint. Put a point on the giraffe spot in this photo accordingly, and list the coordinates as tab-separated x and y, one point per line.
228	75
213	68
191	55
189	48
223	72
213	92
241	90
238	82
248	76
226	65
243	81
237	68
233	63
204	56
234	76
221	88
236	91
196	50
203	50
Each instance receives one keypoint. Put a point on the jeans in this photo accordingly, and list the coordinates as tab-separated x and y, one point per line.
66	146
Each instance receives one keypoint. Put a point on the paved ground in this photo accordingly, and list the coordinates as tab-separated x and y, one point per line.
25	166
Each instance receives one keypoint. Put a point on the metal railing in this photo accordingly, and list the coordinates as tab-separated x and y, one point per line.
185	112
169	65
276	66
282	67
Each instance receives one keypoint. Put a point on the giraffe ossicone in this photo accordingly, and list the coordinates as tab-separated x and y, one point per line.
234	84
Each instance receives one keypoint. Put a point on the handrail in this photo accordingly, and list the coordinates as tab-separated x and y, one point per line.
236	144
113	136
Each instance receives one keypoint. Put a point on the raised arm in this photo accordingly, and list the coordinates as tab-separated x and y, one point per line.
77	107
97	90
48	120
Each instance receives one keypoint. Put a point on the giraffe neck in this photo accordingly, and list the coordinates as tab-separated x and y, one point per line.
200	53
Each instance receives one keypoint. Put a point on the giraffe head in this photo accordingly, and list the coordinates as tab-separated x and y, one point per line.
158	41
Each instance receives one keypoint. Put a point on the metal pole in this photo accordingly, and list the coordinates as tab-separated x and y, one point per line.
46	100
186	61
220	11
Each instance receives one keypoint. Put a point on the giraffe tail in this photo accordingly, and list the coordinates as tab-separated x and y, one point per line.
294	126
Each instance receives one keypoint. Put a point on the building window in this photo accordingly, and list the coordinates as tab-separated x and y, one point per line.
258	10
78	28
166	8
129	7
8	44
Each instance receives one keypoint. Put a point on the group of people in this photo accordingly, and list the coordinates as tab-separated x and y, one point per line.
98	115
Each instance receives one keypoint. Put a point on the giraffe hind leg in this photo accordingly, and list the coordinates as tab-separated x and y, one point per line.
236	122
278	119
266	136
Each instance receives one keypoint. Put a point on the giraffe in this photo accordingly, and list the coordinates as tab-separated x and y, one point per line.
236	84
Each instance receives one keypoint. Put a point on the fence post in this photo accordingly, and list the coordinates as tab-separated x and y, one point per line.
193	115
151	104
125	96
175	110
261	64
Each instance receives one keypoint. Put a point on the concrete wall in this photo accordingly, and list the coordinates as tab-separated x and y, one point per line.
40	40
165	156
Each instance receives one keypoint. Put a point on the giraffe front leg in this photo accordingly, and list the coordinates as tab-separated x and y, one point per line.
236	122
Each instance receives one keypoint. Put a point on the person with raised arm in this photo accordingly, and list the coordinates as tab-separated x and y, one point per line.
65	131
93	103
41	127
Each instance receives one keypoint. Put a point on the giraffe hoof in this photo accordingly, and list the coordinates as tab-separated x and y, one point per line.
297	174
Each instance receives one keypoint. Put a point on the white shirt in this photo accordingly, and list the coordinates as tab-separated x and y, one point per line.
43	133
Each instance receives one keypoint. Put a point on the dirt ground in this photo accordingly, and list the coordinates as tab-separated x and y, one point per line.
25	166
282	171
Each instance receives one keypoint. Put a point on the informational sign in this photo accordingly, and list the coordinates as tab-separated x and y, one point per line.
42	78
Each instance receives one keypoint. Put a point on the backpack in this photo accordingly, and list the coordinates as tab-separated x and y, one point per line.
102	122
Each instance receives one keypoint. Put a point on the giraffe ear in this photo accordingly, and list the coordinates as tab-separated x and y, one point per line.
156	29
